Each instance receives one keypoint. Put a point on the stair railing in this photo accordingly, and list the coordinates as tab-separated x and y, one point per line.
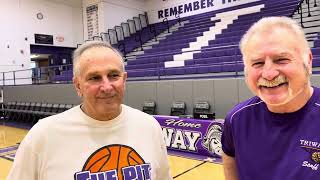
165	20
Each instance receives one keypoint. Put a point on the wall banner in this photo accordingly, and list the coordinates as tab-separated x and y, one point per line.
184	8
201	137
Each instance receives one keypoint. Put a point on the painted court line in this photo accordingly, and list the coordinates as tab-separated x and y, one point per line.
189	170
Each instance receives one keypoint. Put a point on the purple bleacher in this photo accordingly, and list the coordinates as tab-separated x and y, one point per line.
317	42
64	76
316	61
215	68
222	55
132	43
316	51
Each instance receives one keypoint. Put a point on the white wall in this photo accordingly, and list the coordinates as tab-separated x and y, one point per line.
154	6
19	24
113	12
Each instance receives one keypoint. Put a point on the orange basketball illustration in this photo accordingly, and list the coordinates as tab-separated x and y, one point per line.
112	157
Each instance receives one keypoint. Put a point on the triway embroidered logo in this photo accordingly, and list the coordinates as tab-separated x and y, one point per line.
313	148
114	162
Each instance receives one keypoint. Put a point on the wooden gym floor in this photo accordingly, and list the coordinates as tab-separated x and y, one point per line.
181	168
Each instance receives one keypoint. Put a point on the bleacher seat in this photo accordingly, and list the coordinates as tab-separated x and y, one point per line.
149	107
178	108
221	55
201	110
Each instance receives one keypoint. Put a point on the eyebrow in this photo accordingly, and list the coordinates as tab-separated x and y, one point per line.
282	54
98	72
92	74
254	60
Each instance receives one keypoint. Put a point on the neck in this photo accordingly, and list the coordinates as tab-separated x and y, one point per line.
295	104
106	116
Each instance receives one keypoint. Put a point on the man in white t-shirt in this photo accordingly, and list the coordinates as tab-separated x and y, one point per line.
101	139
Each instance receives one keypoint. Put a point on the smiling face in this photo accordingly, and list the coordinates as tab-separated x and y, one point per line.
277	69
101	83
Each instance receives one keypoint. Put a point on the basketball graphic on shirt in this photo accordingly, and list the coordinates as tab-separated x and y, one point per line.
112	157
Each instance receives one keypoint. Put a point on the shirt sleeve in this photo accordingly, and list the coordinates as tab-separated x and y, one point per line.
164	165
227	138
26	164
164	170
27	161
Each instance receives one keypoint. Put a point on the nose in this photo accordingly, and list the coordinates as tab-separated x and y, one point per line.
106	84
269	71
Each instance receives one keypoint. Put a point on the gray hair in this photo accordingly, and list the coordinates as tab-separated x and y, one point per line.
88	45
267	23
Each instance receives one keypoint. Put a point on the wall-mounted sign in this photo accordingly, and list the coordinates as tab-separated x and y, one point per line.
92	21
43	39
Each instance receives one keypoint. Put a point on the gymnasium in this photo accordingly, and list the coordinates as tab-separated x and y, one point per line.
182	58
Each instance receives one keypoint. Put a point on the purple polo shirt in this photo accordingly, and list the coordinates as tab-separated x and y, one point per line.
274	146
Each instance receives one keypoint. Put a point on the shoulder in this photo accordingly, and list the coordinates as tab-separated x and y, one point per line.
140	117
317	95
62	117
250	105
43	127
136	112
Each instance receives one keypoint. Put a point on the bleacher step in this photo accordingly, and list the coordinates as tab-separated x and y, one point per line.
311	30
312	8
161	36
311	44
305	14
149	43
134	53
306	18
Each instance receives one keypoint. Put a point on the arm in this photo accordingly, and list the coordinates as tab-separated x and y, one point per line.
25	165
27	161
164	170
230	167
228	147
164	166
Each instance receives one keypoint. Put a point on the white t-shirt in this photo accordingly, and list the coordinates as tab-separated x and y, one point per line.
72	145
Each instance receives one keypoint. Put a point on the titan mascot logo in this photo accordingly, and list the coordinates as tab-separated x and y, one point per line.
115	162
212	139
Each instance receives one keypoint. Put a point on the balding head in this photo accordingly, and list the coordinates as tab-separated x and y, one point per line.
89	45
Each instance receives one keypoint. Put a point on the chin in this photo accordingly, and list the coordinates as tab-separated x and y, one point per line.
274	100
110	107
277	102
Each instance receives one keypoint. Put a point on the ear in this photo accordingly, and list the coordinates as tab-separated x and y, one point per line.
309	61
76	84
125	76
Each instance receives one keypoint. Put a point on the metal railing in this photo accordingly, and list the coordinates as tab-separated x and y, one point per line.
299	9
64	73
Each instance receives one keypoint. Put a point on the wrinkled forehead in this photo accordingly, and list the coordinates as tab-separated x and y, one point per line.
100	54
277	42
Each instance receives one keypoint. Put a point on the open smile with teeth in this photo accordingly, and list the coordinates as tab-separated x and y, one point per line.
277	82
272	85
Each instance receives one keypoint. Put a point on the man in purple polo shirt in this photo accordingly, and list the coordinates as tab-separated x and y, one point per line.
276	134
